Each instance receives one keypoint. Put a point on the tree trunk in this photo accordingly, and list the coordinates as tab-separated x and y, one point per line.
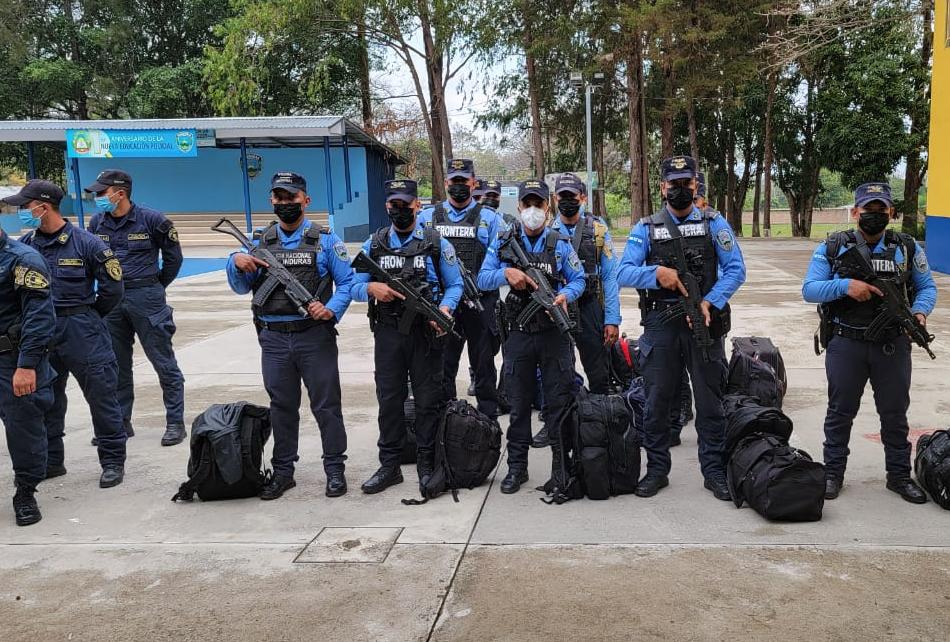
666	127
82	101
366	98
920	113
535	106
640	204
757	199
768	154
731	185
691	122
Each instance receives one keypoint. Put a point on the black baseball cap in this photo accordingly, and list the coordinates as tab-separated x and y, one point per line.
873	192
701	179
37	190
533	186
289	181
493	187
678	167
109	178
401	190
568	182
463	167
479	187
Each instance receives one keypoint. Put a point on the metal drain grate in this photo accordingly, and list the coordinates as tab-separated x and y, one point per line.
345	545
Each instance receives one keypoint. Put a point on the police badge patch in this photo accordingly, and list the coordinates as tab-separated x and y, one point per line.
173	235
340	250
29	278
724	238
574	261
114	269
920	262
449	256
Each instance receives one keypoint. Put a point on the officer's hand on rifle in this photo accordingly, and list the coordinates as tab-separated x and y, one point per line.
247	263
319	312
861	291
382	292
611	335
669	279
24	381
706	307
519	280
561	300
922	318
435	326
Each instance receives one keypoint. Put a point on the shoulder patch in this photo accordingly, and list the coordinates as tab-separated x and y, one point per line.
419	233
573	260
920	261
173	235
29	278
483	223
114	269
725	240
340	250
449	255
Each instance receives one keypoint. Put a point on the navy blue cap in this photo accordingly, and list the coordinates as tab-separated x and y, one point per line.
873	192
568	182
463	167
109	178
479	187
493	187
678	167
533	186
36	190
701	178
289	181
401	190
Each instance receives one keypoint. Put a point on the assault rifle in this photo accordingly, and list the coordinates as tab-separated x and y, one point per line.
277	273
472	295
542	298
416	304
893	309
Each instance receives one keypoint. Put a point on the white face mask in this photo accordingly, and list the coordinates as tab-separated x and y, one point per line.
533	217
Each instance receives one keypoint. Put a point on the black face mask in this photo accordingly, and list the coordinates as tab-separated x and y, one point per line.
679	197
873	223
493	203
401	216
288	213
568	207
459	192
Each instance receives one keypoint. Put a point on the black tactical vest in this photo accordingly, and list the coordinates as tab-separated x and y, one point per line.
860	314
546	262
408	263
462	235
585	244
698	245
301	262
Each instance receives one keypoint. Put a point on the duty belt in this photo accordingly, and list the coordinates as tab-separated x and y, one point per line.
70	310
287	327
652	305
859	333
131	284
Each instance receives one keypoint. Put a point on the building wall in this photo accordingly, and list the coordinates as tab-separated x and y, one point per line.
212	182
938	208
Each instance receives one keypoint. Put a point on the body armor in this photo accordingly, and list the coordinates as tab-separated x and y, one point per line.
300	261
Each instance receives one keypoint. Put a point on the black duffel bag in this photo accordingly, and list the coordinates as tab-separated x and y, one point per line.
746	416
932	466
467	449
756	368
227	452
608	445
779	482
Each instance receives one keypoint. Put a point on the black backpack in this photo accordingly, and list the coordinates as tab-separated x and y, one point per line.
932	466
409	441
746	416
227	450
779	482
757	369
623	362
467	449
608	445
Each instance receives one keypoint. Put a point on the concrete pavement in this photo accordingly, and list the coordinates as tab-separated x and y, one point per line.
128	564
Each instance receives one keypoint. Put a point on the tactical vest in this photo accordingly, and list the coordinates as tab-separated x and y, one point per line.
698	246
546	262
860	314
463	235
407	263
584	243
300	261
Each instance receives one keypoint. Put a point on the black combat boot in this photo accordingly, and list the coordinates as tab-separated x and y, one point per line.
382	479
24	506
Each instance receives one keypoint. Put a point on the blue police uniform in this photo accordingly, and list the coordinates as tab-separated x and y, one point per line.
666	346
417	355
852	360
471	230
87	285
27	326
295	347
540	344
138	238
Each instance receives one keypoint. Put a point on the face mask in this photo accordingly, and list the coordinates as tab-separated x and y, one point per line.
288	213
679	198
27	219
105	204
873	223
491	202
459	192
402	216
533	217
568	208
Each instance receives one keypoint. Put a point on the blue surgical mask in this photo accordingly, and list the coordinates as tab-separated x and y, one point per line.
27	219
105	204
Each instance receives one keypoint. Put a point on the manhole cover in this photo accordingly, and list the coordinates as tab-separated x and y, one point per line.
350	546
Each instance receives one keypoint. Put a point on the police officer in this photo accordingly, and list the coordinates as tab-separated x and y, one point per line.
492	199
598	309
849	305
649	260
27	325
539	343
87	284
137	235
296	347
479	190
471	228
426	261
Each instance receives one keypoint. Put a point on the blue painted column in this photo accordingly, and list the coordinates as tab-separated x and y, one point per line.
346	170
248	219
79	213
329	180
30	160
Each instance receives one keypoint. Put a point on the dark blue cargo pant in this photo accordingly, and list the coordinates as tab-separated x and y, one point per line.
480	331
23	421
